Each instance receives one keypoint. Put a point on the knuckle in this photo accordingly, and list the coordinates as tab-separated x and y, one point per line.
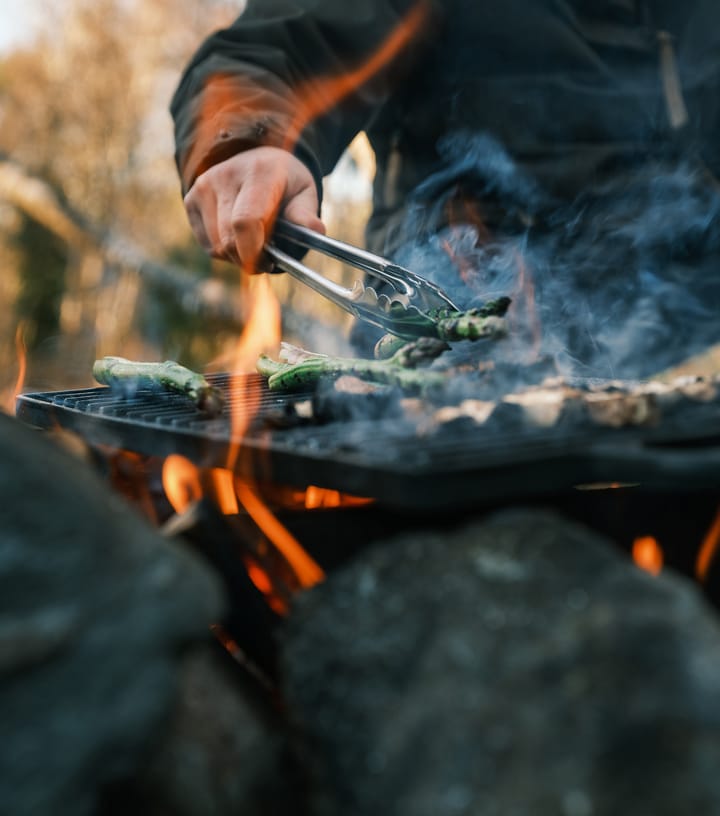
246	223
199	188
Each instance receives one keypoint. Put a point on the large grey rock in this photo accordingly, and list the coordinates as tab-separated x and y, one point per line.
223	752
95	608
518	666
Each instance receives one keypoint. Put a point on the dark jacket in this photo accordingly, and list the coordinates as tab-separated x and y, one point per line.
567	90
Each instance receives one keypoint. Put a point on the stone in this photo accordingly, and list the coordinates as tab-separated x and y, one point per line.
96	610
517	665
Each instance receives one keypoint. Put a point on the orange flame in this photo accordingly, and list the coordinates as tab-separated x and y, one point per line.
319	95
181	482
184	483
648	555
708	549
308	572
263	327
321	497
21	353
261	334
21	357
224	489
311	99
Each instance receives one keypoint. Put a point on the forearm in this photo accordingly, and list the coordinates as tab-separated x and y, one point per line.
272	78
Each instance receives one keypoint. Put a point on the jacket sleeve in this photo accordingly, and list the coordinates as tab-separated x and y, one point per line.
247	84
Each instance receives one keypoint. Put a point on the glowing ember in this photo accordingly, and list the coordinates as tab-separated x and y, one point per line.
708	549
648	555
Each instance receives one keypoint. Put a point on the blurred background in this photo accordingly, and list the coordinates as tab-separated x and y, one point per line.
96	254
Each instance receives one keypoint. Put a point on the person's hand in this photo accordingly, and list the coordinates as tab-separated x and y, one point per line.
232	206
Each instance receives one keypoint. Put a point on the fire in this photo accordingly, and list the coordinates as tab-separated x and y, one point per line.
261	334
181	482
224	490
320	95
308	572
317	96
315	498
648	555
184	484
263	325
21	353
708	549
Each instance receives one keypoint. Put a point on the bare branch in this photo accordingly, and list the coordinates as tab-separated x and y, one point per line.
213	298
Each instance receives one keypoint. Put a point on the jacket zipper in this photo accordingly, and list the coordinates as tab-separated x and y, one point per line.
674	100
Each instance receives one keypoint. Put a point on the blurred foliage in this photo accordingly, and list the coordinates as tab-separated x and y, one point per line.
42	282
84	110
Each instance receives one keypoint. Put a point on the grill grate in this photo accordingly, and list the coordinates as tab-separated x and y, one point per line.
385	459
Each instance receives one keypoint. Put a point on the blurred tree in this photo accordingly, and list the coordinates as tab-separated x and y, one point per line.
83	112
85	107
43	284
86	149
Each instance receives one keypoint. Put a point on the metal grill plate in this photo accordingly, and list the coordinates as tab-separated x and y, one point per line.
385	459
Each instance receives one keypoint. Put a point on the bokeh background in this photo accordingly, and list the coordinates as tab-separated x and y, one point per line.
96	254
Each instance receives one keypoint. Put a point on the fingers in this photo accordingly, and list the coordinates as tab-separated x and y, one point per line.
232	206
250	219
302	210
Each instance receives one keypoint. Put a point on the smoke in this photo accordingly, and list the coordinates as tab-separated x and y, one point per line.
624	281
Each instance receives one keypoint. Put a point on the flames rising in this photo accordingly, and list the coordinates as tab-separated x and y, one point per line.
8	403
318	96
310	99
183	482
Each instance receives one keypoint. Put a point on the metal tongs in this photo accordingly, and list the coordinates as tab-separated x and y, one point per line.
406	310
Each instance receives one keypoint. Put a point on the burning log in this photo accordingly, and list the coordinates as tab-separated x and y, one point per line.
117	372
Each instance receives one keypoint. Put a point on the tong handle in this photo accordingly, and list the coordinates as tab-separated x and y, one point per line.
309	239
406	311
338	294
409	323
413	289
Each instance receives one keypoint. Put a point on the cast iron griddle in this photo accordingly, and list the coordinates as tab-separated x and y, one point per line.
458	466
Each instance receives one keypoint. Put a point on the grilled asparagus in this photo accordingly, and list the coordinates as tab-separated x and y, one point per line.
298	369
119	372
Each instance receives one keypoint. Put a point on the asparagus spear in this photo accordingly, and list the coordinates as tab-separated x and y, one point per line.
306	368
116	371
472	324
